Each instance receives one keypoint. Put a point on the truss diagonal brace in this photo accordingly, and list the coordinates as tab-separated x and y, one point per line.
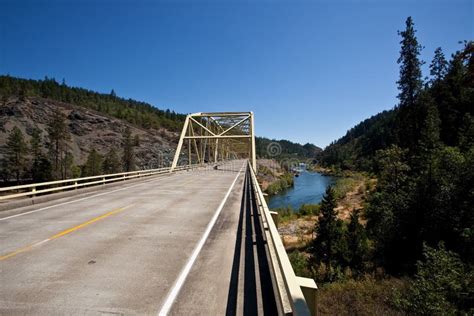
205	139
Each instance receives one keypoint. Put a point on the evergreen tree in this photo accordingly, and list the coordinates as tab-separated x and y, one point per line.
438	66
328	244
111	162
388	212
430	130
410	82
409	85
38	166
16	150
357	243
93	166
35	143
466	133
41	170
67	166
128	159
58	137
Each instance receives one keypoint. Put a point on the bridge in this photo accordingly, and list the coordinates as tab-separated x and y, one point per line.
195	238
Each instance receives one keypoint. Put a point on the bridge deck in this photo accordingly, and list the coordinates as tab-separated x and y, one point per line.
123	250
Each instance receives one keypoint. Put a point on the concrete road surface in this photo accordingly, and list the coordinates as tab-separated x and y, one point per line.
137	249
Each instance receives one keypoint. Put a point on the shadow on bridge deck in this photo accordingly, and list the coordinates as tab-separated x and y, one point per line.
251	290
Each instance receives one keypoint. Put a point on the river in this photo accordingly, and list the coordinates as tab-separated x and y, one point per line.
308	188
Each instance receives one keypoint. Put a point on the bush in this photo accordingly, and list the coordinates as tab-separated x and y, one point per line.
364	297
441	286
299	262
309	209
285	181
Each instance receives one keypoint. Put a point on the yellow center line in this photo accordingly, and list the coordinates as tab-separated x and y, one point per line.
63	233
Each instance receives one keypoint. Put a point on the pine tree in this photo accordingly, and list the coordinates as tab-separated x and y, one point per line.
111	162
93	166
409	85
128	159
67	166
37	156
58	137
41	170
16	150
410	82
429	134
35	143
438	66
357	243
326	246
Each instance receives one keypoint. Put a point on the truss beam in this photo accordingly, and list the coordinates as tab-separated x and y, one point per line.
214	137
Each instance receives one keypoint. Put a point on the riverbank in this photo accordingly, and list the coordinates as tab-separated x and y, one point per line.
296	228
272	177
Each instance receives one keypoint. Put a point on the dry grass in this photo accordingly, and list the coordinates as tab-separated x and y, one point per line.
360	297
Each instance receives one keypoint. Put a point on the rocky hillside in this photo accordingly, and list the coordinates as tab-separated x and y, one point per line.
89	130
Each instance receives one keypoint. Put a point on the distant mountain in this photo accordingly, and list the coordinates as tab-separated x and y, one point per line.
356	149
271	148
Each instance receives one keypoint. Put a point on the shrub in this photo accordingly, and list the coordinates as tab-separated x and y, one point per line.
440	287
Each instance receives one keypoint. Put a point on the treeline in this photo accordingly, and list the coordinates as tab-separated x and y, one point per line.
45	158
280	149
135	112
420	218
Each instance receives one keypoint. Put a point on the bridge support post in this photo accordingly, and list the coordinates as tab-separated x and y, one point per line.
309	289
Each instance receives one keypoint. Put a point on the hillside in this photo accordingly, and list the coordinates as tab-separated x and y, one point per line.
135	112
89	130
452	99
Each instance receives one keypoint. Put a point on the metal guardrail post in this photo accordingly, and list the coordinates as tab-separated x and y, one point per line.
309	288
275	217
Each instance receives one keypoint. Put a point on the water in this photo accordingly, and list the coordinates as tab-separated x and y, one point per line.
309	188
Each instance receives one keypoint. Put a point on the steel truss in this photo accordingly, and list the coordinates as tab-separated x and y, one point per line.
213	137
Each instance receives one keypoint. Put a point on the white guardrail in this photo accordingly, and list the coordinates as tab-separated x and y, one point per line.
297	294
60	185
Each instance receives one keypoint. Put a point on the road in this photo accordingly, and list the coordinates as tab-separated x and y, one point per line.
164	245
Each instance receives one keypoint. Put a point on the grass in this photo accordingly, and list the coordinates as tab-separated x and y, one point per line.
288	214
347	182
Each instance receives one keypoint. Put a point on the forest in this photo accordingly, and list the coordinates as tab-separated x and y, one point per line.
45	158
418	223
135	112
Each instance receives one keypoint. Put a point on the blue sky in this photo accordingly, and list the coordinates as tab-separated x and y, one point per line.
309	70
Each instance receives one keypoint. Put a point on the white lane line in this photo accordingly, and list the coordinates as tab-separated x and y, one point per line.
165	308
78	200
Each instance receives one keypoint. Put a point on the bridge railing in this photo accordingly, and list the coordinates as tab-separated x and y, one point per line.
297	294
33	189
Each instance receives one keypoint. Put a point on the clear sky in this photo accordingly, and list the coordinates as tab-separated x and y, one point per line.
309	70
